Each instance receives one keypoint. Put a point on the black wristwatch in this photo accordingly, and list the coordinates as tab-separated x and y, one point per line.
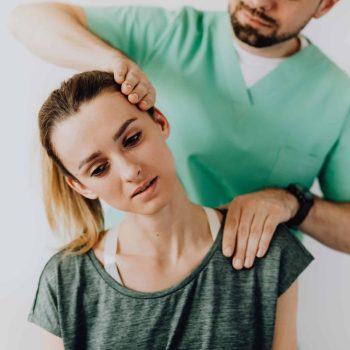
306	201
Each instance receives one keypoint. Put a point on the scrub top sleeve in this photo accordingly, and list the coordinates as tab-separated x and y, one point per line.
133	30
334	177
44	311
294	259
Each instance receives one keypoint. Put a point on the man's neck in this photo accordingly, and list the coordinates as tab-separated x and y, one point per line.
281	50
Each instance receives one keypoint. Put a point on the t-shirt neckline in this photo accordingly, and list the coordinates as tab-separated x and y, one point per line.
165	292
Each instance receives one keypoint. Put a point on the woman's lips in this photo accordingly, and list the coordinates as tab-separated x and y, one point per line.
148	190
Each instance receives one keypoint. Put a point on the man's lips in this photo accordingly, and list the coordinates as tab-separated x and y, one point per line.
145	185
257	19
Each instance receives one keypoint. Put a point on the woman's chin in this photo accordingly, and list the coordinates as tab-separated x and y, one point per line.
152	208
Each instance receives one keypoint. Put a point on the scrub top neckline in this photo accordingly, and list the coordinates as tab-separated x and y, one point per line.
297	65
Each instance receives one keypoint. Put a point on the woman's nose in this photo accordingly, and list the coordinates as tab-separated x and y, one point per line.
129	171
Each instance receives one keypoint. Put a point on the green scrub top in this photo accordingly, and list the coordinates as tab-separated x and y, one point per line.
292	126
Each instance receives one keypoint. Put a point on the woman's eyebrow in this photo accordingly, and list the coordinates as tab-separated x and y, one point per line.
116	136
123	128
88	159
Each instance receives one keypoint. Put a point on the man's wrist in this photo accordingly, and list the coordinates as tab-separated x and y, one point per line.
110	60
305	201
291	202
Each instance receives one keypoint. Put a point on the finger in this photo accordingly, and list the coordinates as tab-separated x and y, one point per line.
265	240
120	72
242	238
149	100
256	231
131	80
138	93
230	229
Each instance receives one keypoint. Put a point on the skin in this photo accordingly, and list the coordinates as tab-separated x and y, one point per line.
270	27
77	138
252	218
158	235
162	238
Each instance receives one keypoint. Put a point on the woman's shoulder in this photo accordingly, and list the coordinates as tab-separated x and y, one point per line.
285	260
62	264
285	241
58	279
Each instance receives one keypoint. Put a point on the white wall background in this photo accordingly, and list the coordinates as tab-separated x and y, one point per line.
26	242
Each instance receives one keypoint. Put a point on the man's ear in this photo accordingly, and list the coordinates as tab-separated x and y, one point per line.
324	7
160	119
80	188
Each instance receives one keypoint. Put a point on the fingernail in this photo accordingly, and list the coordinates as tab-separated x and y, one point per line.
248	263
134	96
260	253
127	87
228	251
143	104
237	264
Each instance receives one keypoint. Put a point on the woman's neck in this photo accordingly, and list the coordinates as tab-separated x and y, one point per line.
177	228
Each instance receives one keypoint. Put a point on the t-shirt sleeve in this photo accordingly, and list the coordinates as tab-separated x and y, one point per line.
133	30
334	177
293	259
44	311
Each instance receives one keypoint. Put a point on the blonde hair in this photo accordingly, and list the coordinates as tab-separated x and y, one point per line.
79	218
67	211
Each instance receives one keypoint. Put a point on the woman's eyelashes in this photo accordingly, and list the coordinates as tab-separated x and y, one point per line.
132	140
100	170
127	143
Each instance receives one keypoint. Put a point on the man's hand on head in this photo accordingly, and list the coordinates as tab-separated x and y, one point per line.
251	222
134	83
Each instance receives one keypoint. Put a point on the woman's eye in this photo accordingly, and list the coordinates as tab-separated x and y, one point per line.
99	170
133	140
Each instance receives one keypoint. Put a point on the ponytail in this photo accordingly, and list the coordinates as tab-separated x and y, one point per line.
68	212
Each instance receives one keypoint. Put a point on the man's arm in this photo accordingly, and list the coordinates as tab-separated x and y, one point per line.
329	223
252	220
58	33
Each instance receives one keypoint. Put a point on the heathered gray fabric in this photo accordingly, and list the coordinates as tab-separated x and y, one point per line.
215	307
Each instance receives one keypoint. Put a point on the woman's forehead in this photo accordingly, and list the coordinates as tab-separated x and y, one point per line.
95	124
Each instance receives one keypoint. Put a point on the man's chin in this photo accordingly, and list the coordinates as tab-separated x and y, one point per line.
253	38
256	41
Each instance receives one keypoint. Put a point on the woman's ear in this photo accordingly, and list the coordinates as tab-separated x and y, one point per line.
80	188
160	119
324	7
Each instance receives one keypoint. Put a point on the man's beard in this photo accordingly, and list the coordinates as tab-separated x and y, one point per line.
252	37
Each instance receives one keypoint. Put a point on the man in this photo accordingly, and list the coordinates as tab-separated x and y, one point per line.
254	106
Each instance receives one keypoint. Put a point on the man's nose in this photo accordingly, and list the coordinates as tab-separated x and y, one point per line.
265	5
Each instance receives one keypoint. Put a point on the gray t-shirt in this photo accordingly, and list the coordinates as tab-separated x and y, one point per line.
215	307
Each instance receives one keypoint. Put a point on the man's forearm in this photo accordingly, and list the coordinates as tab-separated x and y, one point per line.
57	33
257	214
329	223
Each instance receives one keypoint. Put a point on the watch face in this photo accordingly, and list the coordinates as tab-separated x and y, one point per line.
305	191
309	195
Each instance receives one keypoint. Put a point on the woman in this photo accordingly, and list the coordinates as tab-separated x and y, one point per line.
159	279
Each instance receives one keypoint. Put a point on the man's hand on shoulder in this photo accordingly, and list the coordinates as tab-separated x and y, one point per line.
251	222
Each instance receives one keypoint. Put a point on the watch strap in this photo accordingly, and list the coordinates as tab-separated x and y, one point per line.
305	200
